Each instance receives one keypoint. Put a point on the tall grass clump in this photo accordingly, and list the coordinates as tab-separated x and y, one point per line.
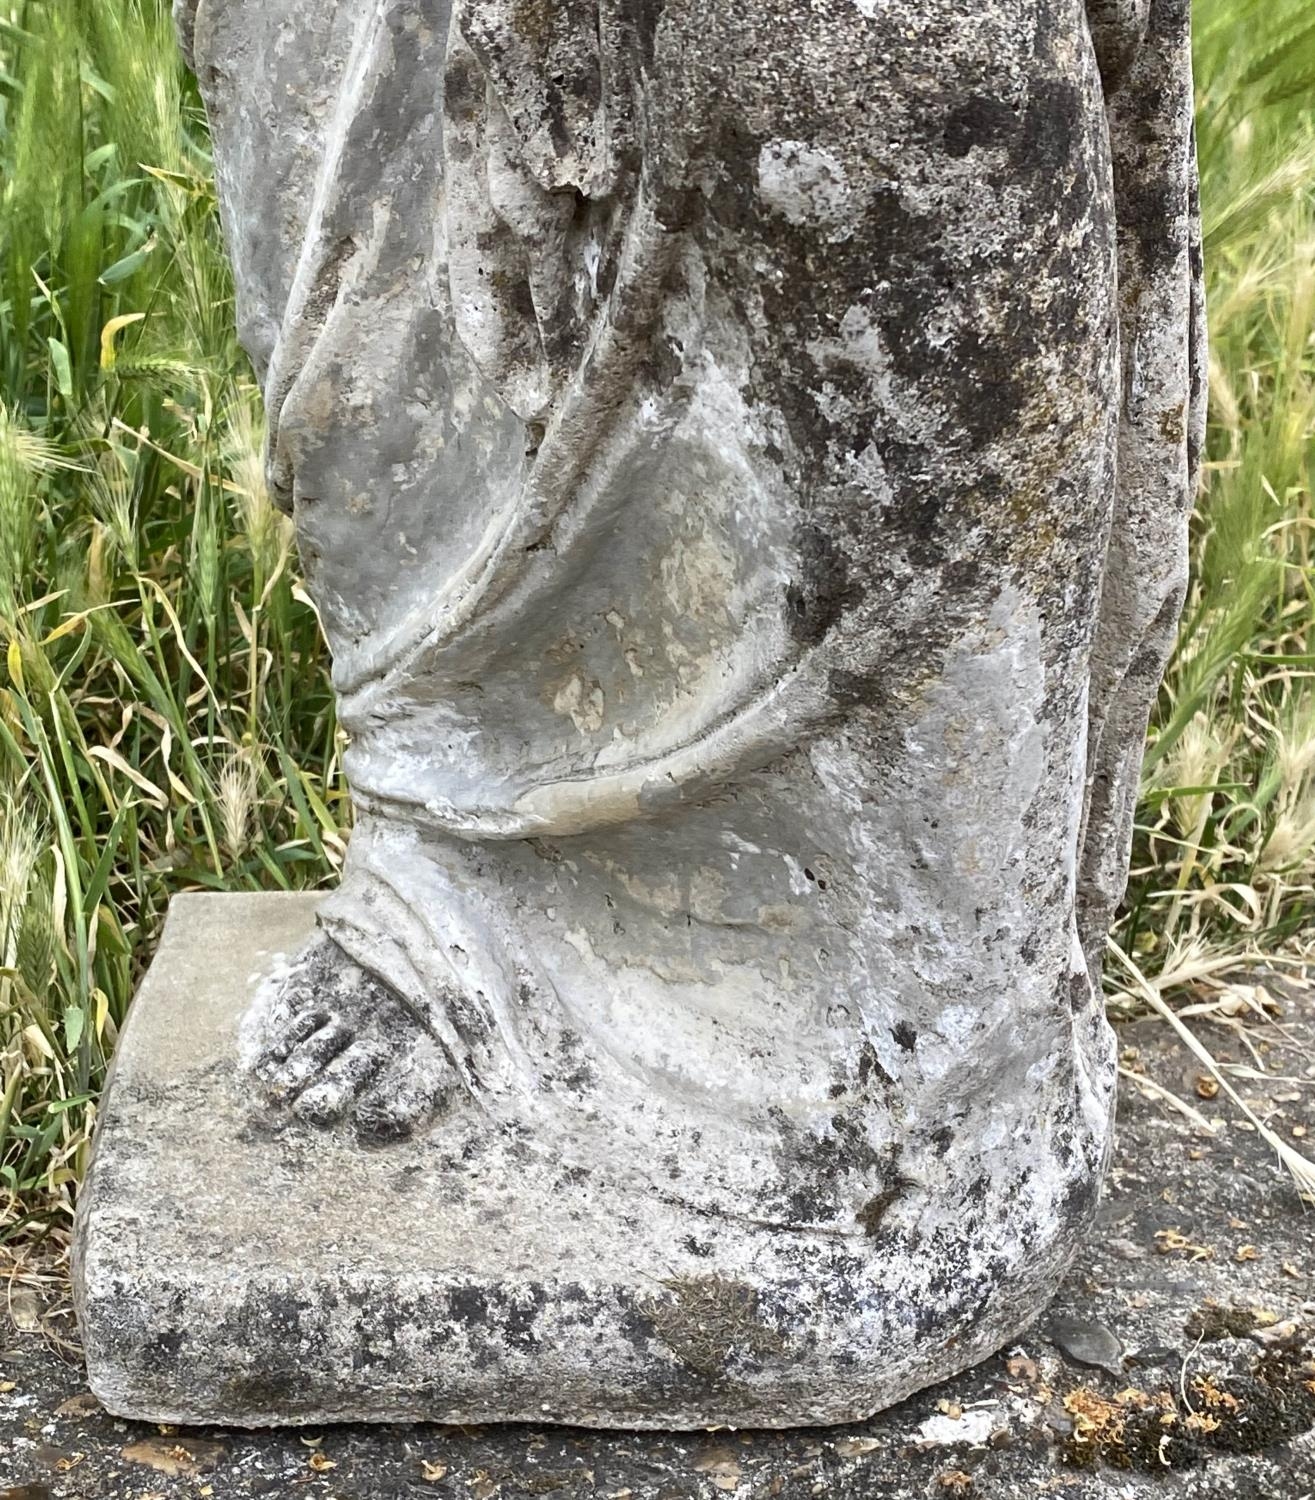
1224	864
165	720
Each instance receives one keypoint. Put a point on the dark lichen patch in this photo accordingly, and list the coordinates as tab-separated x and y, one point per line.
873	1213
815	601
905	1034
1212	1322
1172	424
709	1321
1167	1429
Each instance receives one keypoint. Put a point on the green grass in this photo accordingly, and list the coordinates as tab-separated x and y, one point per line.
165	719
166	722
1225	853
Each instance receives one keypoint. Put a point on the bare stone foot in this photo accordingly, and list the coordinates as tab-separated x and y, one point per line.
329	1043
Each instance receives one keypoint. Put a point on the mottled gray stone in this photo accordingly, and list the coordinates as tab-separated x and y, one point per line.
233	1272
741	454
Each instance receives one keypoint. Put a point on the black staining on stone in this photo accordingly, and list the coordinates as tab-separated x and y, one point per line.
662	365
463	94
497	1315
408	1179
1048	142
871	1217
851	689
814	1168
1080	992
825	588
1117	32
990	359
942	1138
1152	210
1081	1198
981	121
870	1066
905	1034
645	16
327	280
263	1391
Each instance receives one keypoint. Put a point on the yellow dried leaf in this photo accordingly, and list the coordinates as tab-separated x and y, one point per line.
110	331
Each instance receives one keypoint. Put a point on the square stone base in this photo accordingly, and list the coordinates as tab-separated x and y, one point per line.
232	1272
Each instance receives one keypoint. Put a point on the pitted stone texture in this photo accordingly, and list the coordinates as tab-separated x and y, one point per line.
229	1274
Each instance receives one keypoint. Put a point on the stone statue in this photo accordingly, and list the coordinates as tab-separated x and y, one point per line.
741	454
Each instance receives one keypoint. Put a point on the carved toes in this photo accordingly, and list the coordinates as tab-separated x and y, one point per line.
343	1081
305	1059
406	1096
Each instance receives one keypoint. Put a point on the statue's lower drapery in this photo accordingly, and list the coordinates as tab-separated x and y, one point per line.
741	454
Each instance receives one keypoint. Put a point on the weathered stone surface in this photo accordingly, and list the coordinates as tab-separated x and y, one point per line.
741	454
232	1270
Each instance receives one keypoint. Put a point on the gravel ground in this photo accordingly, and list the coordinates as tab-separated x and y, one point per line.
1176	1362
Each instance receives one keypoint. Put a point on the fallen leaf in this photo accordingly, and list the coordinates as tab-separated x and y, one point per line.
857	1447
172	1459
1201	1421
717	1461
950	1408
956	1482
1174	1242
320	1463
432	1472
1246	1252
24	1309
1019	1365
84	1404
